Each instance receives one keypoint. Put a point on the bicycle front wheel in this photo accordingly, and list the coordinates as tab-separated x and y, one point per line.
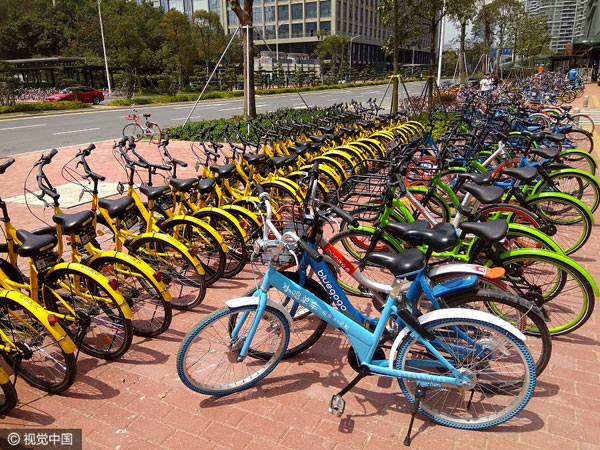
48	367
207	360
308	327
152	314
133	129
499	364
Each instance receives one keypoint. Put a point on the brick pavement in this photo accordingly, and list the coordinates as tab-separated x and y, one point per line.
138	402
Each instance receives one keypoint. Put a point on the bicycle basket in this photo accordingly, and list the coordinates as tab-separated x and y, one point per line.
363	196
372	167
131	117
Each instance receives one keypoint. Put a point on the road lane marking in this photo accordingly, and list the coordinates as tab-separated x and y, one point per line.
231	109
200	104
24	126
75	131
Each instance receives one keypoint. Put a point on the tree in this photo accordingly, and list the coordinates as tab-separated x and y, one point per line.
505	12
333	48
462	12
244	15
8	85
209	36
177	30
533	35
392	15
299	77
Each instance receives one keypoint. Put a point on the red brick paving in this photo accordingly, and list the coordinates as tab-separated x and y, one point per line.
138	402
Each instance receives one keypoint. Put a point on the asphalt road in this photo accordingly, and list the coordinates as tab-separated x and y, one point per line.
45	131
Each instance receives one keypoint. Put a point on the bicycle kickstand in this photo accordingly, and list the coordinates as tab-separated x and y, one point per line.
337	403
419	394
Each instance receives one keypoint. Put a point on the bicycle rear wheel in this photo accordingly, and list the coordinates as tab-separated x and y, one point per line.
151	313
498	362
179	273
8	397
207	357
46	365
108	332
565	293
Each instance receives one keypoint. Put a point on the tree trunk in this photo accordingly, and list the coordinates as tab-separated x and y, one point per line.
499	52
461	54
432	47
249	89
395	92
487	31
244	16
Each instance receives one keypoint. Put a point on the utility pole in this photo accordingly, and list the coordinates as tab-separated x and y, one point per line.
104	50
350	50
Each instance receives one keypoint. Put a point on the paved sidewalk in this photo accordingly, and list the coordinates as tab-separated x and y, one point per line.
137	402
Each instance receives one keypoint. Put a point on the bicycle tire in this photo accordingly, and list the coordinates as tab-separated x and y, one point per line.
580	160
579	139
516	311
568	298
565	213
133	129
582	186
49	368
108	324
185	284
207	248
237	256
152	314
300	339
156	137
484	374
9	398
583	121
277	338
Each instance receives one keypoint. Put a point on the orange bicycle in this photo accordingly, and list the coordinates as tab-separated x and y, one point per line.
147	130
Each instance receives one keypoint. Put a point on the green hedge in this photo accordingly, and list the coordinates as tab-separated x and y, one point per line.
192	129
42	106
228	94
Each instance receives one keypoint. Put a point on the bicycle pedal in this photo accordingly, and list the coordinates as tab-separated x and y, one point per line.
337	405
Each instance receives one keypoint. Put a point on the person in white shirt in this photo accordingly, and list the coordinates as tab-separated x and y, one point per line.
485	84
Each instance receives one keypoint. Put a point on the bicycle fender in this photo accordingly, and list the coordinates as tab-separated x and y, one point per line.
41	314
563	196
134	261
221	212
539	234
4	378
183	219
551	255
459	268
453	313
97	276
171	241
253	301
575	151
244	211
582	173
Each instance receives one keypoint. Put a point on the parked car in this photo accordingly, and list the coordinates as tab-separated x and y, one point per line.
83	94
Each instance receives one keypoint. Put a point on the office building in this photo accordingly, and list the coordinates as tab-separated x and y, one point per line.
296	26
566	19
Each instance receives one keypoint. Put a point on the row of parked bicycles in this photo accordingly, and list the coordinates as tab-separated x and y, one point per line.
446	264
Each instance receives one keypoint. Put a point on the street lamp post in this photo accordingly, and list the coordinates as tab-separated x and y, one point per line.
104	50
350	49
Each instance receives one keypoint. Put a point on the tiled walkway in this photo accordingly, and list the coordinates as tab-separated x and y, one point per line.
137	402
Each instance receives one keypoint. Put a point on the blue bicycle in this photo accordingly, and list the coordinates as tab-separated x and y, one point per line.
462	368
